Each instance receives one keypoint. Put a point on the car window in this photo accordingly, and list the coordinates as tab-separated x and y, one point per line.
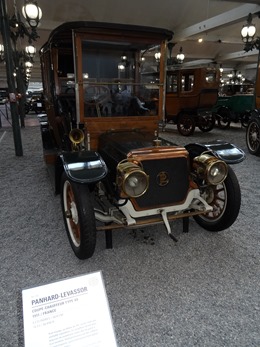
172	83
117	81
187	81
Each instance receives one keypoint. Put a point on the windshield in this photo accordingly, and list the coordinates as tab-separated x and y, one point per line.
119	80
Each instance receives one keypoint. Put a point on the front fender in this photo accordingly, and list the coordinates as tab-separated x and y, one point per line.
84	166
255	113
223	150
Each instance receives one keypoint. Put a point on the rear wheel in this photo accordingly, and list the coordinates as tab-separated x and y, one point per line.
206	122
225	199
223	118
79	217
253	136
186	125
27	108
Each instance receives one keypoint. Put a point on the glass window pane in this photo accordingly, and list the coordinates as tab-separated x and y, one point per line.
187	82
211	77
171	83
119	80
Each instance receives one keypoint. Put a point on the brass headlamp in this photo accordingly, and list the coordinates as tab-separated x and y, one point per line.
131	180
210	168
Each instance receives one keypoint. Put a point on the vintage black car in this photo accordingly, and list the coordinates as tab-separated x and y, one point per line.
253	128
35	103
253	133
101	139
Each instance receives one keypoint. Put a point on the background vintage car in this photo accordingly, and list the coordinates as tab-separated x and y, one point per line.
253	128
233	108
190	95
35	102
3	96
253	133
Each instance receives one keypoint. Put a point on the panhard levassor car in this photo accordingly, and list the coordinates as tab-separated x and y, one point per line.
101	139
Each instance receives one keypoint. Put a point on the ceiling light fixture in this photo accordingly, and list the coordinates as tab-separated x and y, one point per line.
2	52
30	51
235	77
13	28
157	57
180	56
174	60
248	35
32	13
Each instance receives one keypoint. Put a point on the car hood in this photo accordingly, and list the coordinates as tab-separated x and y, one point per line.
114	146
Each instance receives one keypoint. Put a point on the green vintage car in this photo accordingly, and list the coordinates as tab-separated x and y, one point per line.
234	108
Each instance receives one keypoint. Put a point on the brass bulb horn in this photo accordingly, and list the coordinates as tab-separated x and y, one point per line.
76	136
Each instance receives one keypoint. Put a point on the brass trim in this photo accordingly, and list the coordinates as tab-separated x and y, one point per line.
161	152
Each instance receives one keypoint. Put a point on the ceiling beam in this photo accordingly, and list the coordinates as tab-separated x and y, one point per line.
249	66
235	55
242	1
198	62
223	19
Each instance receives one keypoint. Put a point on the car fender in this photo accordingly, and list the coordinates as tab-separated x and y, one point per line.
223	109
223	150
83	167
255	113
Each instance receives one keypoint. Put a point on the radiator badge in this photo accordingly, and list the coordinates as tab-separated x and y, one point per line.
162	178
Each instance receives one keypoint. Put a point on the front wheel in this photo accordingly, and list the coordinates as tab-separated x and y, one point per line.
186	125
225	199
79	218
253	136
245	118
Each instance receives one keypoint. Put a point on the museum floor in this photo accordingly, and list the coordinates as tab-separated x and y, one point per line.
203	290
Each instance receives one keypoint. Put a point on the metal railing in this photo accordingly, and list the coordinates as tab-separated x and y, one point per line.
6	113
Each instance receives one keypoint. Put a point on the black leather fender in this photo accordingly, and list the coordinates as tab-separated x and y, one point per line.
225	151
255	113
84	166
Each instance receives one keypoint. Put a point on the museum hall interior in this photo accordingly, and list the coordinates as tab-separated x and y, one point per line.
129	173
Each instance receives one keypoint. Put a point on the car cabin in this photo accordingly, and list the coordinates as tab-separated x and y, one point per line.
95	79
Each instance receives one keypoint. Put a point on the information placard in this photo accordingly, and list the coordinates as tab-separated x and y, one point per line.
70	313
